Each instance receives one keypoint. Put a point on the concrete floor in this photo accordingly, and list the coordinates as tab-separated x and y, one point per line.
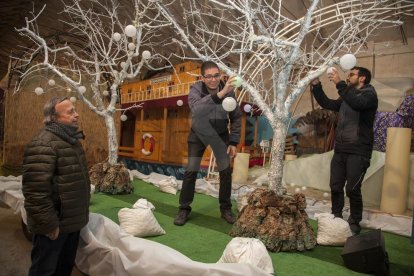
14	247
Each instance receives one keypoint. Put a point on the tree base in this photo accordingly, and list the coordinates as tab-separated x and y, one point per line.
280	222
113	179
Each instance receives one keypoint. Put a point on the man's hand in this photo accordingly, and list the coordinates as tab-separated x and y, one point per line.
232	151
334	76
230	85
53	235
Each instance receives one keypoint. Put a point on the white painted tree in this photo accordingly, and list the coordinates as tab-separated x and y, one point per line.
277	55
107	44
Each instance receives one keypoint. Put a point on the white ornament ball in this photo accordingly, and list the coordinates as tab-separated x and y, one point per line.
123	64
304	188
330	70
146	55
105	93
72	99
180	102
292	184
325	194
347	61
124	117
131	46
131	31
39	91
247	108
68	90
116	36
82	89
51	82
238	82
229	104
297	190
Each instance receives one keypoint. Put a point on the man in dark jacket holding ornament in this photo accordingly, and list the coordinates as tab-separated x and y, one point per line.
56	188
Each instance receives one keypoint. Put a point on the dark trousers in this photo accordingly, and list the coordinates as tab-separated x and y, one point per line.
195	153
54	257
349	169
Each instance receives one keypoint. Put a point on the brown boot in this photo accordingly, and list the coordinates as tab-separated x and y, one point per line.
181	217
228	216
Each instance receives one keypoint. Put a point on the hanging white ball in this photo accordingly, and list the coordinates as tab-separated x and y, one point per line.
131	46
124	117
116	36
51	82
123	64
82	89
292	184
304	188
238	82
347	61
330	70
72	99
247	108
131	31
229	104
39	90
325	194
146	55
105	93
297	190
180	102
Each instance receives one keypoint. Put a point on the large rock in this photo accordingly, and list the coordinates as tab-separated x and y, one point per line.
113	179
280	222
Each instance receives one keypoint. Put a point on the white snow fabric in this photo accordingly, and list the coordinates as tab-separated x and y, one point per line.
140	221
331	230
105	250
168	185
249	251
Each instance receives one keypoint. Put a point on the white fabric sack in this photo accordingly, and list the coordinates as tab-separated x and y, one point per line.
168	185
140	221
143	204
249	251
331	230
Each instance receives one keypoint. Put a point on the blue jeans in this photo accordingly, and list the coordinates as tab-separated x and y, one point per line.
54	257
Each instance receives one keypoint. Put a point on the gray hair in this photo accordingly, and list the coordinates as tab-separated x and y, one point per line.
49	111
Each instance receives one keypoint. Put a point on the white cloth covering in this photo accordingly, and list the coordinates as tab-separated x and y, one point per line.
105	250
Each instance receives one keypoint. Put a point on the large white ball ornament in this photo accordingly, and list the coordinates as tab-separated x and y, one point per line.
131	46
238	82
72	99
347	61
51	82
146	55
116	36
39	91
82	89
247	108
330	70
325	194
105	93
131	31
180	102
229	104
297	190
124	117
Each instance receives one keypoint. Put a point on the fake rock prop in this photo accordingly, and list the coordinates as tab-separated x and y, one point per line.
113	179
280	222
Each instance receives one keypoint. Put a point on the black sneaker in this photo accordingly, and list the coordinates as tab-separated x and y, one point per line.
181	217
228	216
355	228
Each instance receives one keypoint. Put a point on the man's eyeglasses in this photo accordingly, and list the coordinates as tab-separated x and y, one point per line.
210	77
352	74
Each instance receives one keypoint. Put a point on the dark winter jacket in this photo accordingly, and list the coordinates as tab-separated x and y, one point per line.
357	109
206	109
56	184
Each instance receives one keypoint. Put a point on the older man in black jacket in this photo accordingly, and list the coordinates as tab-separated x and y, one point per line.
357	106
56	188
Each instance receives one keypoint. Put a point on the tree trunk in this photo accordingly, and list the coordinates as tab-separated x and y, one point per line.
275	173
112	141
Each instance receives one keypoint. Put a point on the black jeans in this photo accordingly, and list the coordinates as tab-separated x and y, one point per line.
195	153
54	257
349	169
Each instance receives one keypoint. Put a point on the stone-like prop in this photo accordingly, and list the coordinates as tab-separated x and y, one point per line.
112	179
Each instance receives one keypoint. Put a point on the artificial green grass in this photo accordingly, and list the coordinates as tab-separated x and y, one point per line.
204	237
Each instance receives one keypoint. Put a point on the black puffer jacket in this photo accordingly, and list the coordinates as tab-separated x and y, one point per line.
357	109
56	184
